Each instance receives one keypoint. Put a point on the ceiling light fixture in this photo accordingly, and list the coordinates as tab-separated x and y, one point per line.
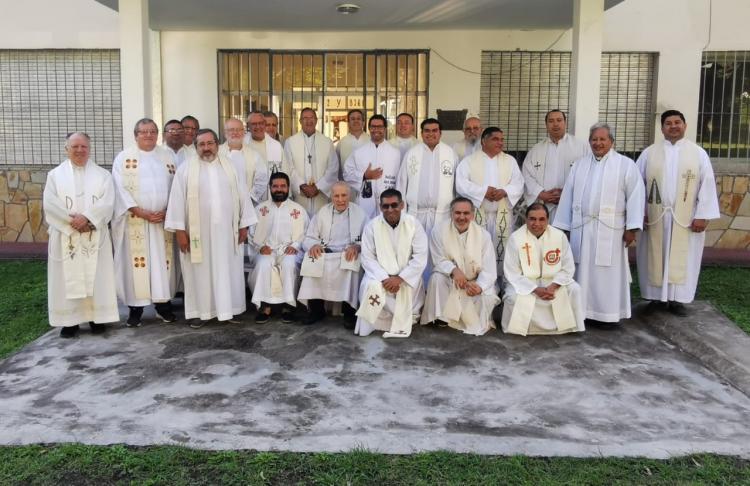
347	8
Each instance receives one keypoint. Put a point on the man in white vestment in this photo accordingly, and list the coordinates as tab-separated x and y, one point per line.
144	253
394	256
248	163
190	127
330	268
277	243
272	126
269	148
78	201
472	138
355	138
312	164
173	141
404	139
492	180
210	212
548	163
602	207
541	296
680	199
426	177
372	168
463	286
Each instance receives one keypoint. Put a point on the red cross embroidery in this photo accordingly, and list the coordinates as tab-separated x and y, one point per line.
294	214
263	211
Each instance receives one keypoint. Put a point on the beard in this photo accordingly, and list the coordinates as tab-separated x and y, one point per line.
279	196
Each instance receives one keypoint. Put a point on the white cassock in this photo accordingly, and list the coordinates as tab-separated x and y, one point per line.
476	258
600	200
274	277
463	148
403	144
384	156
667	195
552	264
311	159
547	165
215	282
426	182
250	168
474	175
145	185
179	156
80	268
336	231
348	144
272	153
375	272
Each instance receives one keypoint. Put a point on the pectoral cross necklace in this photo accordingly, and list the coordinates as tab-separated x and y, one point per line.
310	148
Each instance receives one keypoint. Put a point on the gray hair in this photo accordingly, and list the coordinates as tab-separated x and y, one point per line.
73	134
604	125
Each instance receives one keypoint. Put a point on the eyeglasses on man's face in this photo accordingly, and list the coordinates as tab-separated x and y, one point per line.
385	206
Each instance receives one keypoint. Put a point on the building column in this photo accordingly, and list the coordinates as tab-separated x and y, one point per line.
135	65
586	61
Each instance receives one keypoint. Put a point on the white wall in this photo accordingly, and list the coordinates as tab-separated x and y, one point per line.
58	24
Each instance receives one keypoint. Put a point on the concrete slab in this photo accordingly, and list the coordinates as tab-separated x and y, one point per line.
285	387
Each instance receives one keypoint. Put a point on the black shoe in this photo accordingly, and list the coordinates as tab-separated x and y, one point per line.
134	319
350	316
261	317
678	309
657	306
69	331
288	317
312	318
166	315
97	328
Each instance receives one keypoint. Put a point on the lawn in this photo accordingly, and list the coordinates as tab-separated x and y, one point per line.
23	317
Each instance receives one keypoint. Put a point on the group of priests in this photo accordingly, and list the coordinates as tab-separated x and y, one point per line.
385	233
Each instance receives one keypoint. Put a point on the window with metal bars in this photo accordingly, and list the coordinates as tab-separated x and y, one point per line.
46	94
724	110
519	87
385	82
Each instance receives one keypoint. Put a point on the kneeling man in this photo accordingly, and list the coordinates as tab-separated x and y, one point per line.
394	255
462	290
541	296
278	242
330	269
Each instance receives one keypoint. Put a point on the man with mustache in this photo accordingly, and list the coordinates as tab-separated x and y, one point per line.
278	244
463	286
210	211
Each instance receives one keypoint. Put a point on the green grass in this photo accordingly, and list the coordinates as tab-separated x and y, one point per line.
99	465
23	304
23	317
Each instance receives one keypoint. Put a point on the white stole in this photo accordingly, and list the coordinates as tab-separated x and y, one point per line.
503	225
248	155
392	262
79	256
688	171
609	220
273	154
136	227
459	306
535	268
194	209
445	187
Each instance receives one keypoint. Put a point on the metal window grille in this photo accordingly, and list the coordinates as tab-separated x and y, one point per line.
724	109
626	98
46	94
518	88
385	82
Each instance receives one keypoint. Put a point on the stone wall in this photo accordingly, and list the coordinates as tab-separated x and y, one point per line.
21	218
732	230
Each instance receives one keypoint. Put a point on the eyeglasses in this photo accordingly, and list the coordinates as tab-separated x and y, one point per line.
148	132
175	130
379	127
385	206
